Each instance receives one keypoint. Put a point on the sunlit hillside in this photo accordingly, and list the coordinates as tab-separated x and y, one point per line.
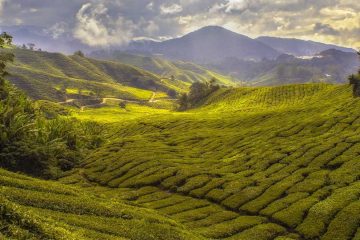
275	163
44	75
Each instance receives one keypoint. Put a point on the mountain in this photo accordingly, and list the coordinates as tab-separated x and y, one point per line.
209	44
184	71
299	47
42	75
331	66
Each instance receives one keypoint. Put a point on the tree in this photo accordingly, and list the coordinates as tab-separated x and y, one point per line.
198	92
183	102
172	78
24	46
354	80
5	40
31	46
172	93
79	53
122	105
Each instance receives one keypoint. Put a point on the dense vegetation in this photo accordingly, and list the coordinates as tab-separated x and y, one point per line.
32	143
199	91
354	80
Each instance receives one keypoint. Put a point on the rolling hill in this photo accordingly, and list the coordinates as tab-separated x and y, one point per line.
43	75
184	71
229	170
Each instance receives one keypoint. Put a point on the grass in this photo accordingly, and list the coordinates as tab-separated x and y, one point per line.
250	163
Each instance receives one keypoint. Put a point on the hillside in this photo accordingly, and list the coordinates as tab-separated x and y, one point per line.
184	71
47	76
35	209
330	66
206	45
271	162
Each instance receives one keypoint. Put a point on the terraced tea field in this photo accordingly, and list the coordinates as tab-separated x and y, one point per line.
32	209
251	163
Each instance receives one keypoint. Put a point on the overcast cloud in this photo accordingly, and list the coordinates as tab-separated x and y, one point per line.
116	22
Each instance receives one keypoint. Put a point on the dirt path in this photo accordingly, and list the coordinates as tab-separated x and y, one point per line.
152	99
104	101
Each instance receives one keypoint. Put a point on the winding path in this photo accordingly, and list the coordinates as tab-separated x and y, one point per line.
104	101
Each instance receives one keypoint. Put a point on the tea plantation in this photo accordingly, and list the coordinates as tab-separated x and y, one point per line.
248	163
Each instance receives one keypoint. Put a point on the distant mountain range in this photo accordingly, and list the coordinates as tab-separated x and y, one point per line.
213	44
330	66
209	44
299	47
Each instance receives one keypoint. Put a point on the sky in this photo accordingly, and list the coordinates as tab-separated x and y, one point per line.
116	22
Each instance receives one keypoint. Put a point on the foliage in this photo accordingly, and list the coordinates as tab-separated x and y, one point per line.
354	80
79	53
31	143
198	92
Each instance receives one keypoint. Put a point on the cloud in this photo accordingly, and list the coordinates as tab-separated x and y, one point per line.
95	27
230	6
169	9
236	6
325	29
150	6
57	30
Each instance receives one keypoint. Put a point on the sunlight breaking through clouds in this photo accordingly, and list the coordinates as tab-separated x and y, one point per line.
101	22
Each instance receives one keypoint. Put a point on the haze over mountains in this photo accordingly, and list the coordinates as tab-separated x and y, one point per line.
260	61
213	43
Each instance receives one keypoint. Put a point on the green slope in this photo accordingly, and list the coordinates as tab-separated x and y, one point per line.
42	74
251	163
35	209
184	71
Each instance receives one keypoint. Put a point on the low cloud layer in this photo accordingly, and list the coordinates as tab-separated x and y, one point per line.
95	27
116	22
